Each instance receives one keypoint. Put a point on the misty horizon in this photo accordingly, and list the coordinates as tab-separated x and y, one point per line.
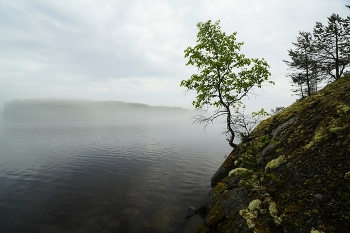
84	109
132	51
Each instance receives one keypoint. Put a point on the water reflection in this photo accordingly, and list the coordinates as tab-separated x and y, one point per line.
103	176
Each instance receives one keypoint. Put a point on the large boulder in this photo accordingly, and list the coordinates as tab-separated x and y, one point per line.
310	191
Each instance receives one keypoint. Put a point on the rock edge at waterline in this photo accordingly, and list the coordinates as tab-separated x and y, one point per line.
311	189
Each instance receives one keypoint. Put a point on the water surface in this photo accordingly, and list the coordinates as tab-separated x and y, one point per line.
131	175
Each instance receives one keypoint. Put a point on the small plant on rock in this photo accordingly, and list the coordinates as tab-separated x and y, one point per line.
253	173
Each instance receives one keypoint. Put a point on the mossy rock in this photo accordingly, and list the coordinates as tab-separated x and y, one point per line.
312	193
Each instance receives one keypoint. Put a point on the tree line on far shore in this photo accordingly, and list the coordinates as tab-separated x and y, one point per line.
81	109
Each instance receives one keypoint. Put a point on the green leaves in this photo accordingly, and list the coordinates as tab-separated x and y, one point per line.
225	76
261	112
250	159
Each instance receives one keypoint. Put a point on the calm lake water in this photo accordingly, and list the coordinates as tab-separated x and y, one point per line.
134	175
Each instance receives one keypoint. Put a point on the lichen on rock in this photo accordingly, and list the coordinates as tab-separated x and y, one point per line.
312	167
239	171
343	109
273	210
275	163
347	176
254	205
251	213
316	231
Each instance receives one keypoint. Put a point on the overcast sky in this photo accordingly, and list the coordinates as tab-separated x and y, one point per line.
133	50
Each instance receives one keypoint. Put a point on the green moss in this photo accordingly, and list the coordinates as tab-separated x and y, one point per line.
312	190
225	195
220	188
347	176
285	194
318	136
215	214
309	145
275	162
203	229
288	113
250	214
293	208
273	210
263	126
335	129
260	228
239	171
249	217
343	109
311	212
254	205
313	230
228	225
339	123
296	108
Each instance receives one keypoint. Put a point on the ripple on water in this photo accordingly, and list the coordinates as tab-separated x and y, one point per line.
131	176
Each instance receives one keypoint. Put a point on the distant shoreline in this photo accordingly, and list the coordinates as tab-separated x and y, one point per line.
66	109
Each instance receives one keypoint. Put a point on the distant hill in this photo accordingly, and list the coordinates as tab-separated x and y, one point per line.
83	109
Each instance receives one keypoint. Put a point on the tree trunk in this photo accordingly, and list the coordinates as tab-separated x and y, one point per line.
229	128
336	58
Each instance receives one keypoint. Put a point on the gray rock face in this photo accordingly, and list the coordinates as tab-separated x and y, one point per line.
224	169
308	192
190	225
220	174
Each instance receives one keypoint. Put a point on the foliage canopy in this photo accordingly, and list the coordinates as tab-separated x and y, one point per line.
303	64
333	45
225	76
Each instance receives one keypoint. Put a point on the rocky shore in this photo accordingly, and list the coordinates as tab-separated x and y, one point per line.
306	173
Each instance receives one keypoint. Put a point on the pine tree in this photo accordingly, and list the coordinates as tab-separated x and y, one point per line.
333	46
303	65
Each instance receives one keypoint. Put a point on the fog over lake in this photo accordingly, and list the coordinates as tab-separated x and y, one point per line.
63	109
132	170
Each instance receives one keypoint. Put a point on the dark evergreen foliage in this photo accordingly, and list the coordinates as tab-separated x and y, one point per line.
325	55
332	42
303	65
